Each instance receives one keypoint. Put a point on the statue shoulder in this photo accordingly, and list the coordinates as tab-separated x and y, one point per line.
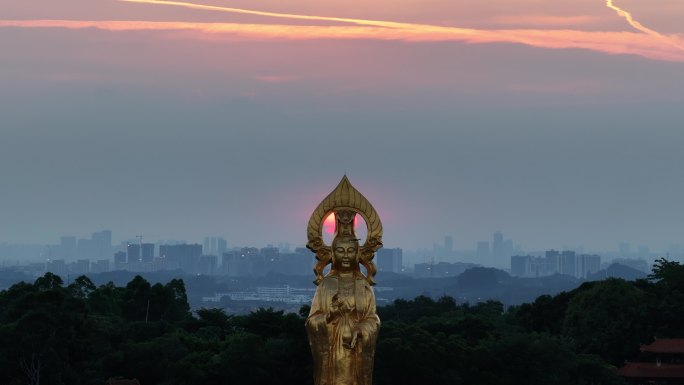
361	280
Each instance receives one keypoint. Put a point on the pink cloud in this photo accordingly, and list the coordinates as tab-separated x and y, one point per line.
652	47
545	20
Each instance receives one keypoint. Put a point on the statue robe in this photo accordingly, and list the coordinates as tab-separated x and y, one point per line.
335	363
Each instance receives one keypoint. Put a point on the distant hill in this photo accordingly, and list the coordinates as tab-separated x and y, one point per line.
473	285
9	277
617	270
485	283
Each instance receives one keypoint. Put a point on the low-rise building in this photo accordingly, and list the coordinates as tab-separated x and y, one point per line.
663	364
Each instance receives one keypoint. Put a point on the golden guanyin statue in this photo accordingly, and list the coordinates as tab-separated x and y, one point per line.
342	325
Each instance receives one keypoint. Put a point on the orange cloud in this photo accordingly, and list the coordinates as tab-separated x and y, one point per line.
545	20
530	37
607	42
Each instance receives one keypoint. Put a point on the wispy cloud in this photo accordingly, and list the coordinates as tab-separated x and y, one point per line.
532	38
640	27
649	44
545	20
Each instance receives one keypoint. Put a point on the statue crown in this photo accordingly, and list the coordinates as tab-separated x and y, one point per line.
345	202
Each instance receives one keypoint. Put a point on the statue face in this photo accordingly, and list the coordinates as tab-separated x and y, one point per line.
345	254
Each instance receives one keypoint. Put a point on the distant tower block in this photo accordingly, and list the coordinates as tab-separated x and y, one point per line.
448	244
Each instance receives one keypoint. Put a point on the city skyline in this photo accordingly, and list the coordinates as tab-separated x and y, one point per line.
98	255
623	246
557	123
497	250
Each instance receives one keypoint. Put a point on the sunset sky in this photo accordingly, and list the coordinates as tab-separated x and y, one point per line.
559	123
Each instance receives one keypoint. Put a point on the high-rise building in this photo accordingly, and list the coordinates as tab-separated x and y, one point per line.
214	246
390	260
184	256
102	244
236	264
229	262
448	244
262	261
147	252
206	245
553	260
57	267
98	246
521	265
227	259
101	266
498	245
270	253
207	264
133	251
568	263
221	246
82	266
120	260
588	265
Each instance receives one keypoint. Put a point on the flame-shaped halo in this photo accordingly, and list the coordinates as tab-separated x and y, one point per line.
344	197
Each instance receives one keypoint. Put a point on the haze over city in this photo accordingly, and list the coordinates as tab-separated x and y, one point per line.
169	167
558	123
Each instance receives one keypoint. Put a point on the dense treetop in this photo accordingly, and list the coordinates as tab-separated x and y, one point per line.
52	333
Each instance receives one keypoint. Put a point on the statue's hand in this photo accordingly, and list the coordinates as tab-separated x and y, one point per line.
316	323
335	310
356	335
332	316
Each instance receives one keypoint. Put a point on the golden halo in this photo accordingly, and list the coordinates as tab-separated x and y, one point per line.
344	197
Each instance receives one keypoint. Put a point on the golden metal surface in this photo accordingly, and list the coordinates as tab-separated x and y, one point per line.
342	325
344	198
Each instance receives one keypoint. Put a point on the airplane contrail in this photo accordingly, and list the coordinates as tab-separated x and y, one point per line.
238	10
375	23
640	27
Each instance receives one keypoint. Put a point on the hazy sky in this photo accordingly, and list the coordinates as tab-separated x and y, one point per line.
556	122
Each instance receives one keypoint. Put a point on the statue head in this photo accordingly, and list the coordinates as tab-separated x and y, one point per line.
346	202
345	254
